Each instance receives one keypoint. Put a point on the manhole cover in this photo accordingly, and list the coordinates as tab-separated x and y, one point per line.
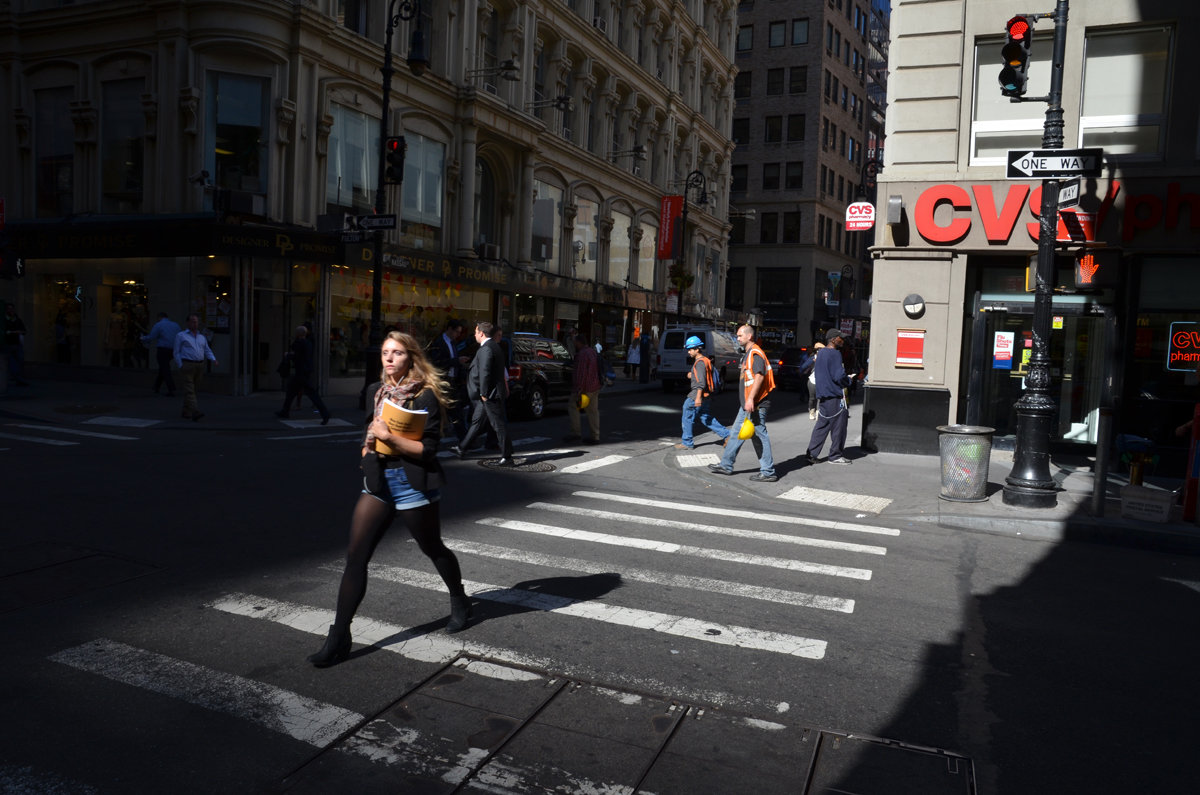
85	408
519	465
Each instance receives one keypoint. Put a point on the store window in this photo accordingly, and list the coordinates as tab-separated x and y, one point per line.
238	131
352	165
54	151
122	123
1125	90
424	176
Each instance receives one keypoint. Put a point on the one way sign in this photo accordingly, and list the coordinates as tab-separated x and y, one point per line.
1039	163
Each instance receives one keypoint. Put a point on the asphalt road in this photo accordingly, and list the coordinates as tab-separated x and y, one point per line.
160	593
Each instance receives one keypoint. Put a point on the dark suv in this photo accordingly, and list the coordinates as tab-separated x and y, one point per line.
540	370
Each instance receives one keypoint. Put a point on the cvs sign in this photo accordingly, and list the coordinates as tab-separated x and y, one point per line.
860	216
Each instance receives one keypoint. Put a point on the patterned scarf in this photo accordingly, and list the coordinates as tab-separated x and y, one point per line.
399	393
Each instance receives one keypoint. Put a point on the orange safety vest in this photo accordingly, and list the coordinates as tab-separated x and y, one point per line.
748	372
708	373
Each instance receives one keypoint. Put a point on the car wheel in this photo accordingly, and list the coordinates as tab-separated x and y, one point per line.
535	404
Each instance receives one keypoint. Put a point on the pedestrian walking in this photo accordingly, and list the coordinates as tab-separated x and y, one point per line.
162	338
832	411
696	404
300	382
585	382
812	380
488	393
756	382
445	356
14	345
192	352
633	358
409	483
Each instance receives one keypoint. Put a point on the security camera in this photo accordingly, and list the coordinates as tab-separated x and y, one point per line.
199	178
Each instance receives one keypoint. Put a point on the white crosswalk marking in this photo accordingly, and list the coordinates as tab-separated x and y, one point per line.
758	516
595	464
76	432
38	439
123	422
690	461
280	710
837	499
704	528
699	552
706	584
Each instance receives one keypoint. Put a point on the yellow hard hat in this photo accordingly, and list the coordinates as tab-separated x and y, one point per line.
583	401
747	429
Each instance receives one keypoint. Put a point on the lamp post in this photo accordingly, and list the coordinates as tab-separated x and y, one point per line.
1030	483
694	181
418	62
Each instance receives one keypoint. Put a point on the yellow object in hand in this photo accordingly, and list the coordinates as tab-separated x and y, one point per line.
747	429
583	401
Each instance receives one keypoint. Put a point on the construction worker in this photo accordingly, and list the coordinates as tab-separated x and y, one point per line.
754	385
696	405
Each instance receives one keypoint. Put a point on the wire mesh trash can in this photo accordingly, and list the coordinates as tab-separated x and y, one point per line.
966	451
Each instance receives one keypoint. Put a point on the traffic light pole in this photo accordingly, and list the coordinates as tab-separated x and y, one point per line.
1030	483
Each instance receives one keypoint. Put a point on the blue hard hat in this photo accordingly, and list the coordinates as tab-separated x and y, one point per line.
693	342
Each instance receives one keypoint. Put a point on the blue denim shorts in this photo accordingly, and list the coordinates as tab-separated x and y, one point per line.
402	494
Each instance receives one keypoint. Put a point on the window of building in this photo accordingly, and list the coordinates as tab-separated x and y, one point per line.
353	15
828	84
741	85
54	152
795	175
795	127
841	188
586	234
797	79
768	229
775	81
738	178
777	34
842	143
770	176
735	288
745	38
737	230
829	36
778	286
774	129
997	124
791	227
845	98
799	31
824	172
122	122
547	230
740	133
424	186
824	133
620	251
238	132
1125	90
352	164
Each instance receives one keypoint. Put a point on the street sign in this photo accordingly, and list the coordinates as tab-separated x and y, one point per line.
1068	193
376	222
1039	163
860	216
352	237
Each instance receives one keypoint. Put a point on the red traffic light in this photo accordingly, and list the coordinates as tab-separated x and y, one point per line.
392	145
1018	28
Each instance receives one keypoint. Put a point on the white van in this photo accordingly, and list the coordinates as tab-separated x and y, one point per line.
673	365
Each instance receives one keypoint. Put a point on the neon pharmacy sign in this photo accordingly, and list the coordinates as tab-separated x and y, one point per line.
1183	347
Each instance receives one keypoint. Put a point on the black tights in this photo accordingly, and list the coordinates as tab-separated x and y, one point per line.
371	519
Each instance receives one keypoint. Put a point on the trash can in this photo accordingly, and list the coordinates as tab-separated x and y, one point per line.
966	451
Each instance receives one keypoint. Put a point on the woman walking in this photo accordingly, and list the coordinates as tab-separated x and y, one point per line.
408	483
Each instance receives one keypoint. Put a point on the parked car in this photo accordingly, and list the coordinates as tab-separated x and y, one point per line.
791	367
540	370
672	361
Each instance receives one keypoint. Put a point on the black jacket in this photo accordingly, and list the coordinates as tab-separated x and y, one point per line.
423	472
486	378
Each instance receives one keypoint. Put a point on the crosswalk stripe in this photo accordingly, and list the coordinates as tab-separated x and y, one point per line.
420	645
757	516
679	549
76	432
696	459
836	499
38	439
694	629
759	535
774	595
584	466
303	718
124	422
310	436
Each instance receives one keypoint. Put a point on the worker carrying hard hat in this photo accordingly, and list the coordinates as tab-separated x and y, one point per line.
702	386
754	385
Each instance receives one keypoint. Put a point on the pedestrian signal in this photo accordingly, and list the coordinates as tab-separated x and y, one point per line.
394	149
1015	54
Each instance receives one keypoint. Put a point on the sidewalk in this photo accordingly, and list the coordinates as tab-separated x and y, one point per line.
912	483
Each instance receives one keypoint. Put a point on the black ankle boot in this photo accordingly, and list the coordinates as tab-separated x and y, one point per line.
460	613
335	650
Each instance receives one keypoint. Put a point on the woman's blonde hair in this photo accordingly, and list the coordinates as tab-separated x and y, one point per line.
420	368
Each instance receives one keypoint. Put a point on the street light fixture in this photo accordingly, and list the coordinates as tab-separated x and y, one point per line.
695	181
562	102
509	69
418	62
638	152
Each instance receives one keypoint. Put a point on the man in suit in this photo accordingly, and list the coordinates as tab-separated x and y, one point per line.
301	357
443	353
488	393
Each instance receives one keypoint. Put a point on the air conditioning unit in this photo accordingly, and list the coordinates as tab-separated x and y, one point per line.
599	24
491	251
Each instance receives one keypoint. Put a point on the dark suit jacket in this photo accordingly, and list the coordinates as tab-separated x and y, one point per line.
424	472
486	378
